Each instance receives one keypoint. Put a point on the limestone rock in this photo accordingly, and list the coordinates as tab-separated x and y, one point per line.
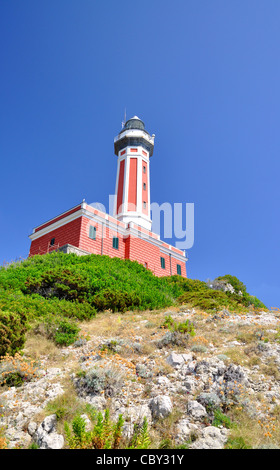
32	426
160	406
212	438
186	430
178	360
196	410
46	436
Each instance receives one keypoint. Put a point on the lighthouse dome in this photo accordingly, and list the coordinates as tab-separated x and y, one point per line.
134	123
134	133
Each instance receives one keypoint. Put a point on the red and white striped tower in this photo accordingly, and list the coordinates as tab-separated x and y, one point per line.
134	146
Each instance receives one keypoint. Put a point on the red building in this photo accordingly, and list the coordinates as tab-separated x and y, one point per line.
85	230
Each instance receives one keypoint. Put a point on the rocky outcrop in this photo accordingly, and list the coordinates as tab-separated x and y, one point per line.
211	438
46	436
170	380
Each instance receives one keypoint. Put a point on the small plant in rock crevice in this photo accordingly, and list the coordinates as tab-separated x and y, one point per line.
105	434
186	327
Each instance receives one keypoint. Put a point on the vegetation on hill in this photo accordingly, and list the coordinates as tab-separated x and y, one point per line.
58	289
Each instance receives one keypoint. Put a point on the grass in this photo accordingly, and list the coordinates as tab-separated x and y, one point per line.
164	430
66	407
253	433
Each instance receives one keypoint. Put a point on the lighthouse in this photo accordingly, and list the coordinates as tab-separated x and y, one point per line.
84	229
133	146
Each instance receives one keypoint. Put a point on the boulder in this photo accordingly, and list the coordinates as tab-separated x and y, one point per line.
160	406
46	436
178	360
190	383
196	410
186	431
212	438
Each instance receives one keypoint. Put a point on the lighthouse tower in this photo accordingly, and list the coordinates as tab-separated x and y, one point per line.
133	146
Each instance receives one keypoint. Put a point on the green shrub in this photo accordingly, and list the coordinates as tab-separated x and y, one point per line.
117	301
220	419
140	438
64	287
99	281
66	333
186	327
35	306
62	283
252	300
105	434
211	300
12	332
62	332
236	284
12	379
181	285
240	288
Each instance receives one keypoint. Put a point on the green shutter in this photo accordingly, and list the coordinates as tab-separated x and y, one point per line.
116	243
92	232
162	262
179	269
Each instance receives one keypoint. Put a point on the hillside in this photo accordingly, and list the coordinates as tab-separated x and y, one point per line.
99	353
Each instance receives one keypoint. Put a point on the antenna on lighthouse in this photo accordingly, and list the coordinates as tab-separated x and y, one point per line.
123	122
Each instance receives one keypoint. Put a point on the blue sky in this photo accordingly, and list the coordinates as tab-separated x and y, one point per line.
203	75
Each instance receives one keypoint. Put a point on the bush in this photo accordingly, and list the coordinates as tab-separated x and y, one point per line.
220	419
140	438
35	306
61	283
182	284
64	287
211	301
100	281
117	301
105	434
184	327
59	330
66	333
12	332
173	338
252	300
98	380
13	379
236	284
240	288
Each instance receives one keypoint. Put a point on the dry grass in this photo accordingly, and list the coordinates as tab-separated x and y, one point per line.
270	369
164	430
37	346
256	432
